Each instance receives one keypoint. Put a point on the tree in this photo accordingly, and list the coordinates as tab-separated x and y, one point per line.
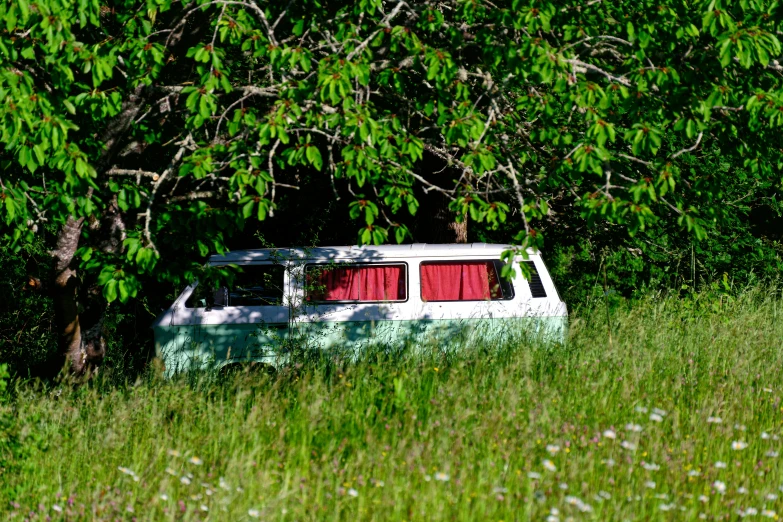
146	133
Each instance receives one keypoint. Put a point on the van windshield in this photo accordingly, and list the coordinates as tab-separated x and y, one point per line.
251	285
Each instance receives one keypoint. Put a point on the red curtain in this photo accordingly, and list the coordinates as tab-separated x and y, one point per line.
365	283
457	281
381	283
339	284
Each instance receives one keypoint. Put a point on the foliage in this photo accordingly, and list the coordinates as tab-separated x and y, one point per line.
189	119
27	337
487	434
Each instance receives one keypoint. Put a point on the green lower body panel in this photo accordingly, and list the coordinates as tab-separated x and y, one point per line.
201	347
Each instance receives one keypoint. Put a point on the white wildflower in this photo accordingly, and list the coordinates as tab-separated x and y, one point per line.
427	478
441	477
714	420
552	518
649	484
195	460
204	508
534	475
563	486
771	453
581	506
720	465
57	508
497	490
164	497
609	462
353	493
173	453
740	427
768	513
765	435
552	448
171	472
719	486
129	472
771	496
641	409
704	499
739	445
694	473
633	427
604	495
649	466
185	480
609	434
655	417
659	411
223	484
742	490
549	465
630	446
253	513
667	507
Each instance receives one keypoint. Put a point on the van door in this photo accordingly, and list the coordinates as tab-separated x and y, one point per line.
247	319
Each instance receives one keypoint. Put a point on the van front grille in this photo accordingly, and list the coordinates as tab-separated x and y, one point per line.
536	286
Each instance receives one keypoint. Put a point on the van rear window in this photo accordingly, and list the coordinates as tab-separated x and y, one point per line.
536	286
356	283
464	281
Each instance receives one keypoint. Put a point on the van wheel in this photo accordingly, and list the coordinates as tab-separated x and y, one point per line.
253	367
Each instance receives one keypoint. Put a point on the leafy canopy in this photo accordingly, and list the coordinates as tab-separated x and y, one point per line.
187	119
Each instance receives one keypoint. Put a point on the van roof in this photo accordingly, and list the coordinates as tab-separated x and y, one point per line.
364	252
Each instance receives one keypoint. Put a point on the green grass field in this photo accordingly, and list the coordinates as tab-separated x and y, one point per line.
679	417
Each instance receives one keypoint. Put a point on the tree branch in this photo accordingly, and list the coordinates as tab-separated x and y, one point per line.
689	149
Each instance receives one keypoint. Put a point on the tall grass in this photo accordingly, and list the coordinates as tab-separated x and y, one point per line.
678	418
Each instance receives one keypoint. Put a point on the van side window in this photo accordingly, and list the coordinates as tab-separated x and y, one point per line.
252	285
536	286
464	281
356	283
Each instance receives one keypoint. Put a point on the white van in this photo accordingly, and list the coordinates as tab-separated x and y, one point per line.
347	297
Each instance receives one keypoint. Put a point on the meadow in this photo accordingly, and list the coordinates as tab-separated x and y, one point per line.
676	416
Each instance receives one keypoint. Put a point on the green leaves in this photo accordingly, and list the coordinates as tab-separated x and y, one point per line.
604	107
314	157
644	137
117	284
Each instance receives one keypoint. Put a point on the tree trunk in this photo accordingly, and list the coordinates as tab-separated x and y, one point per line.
82	348
80	308
435	222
